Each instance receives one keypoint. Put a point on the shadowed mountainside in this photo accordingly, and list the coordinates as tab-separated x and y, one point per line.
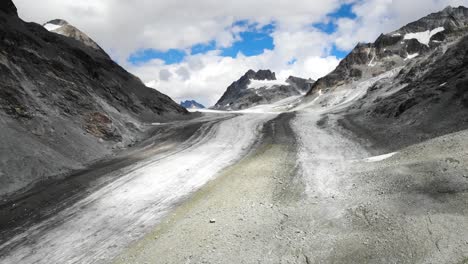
64	103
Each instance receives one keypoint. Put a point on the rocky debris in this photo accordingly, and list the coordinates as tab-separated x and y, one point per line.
191	104
240	94
59	95
100	126
212	221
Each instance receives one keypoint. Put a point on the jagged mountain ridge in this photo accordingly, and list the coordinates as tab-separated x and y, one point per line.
427	97
260	87
393	49
64	104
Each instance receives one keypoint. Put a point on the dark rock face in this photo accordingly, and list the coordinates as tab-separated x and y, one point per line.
64	104
192	104
8	7
239	96
392	50
301	84
432	102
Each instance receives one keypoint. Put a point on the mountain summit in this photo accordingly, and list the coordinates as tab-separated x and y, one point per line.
260	87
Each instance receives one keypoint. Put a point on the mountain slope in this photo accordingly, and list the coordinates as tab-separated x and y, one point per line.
397	48
260	87
64	103
427	97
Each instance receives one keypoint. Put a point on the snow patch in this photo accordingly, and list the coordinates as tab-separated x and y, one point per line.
52	27
424	37
380	157
443	84
411	56
371	63
257	84
151	84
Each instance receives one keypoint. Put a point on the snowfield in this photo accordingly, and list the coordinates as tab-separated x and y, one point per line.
380	157
257	84
424	37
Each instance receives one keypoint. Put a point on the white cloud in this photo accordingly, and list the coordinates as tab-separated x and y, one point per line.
209	75
123	27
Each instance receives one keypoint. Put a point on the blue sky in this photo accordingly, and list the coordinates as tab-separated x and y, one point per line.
252	41
345	11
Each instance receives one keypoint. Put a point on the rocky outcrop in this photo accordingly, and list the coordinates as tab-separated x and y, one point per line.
300	84
250	91
64	103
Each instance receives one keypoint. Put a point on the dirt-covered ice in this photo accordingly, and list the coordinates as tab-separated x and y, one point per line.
104	222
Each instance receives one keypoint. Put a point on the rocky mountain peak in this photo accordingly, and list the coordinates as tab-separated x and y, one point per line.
261	87
260	75
451	19
64	28
8	7
398	48
448	9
